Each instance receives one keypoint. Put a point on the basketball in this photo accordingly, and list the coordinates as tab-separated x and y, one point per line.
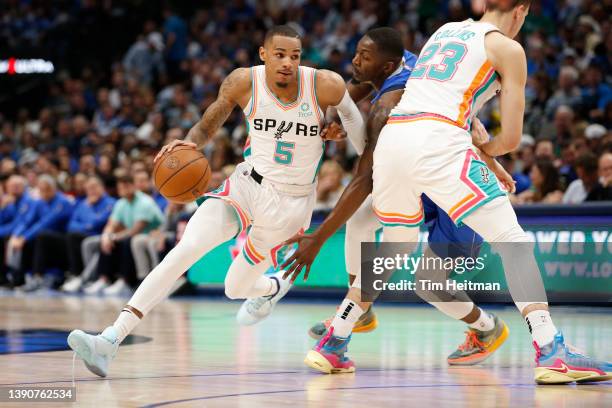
182	175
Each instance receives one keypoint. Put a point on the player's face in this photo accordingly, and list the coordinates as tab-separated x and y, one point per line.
281	56
367	62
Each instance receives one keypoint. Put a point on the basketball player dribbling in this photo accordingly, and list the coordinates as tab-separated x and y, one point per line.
272	193
426	148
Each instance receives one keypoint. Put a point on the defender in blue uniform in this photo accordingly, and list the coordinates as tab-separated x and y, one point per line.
381	67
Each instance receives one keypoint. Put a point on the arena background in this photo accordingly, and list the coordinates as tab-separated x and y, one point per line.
96	87
112	81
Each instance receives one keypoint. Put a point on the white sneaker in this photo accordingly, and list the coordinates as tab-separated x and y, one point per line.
72	285
32	284
96	287
95	351
119	288
255	310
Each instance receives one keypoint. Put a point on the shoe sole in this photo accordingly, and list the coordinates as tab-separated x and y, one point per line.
479	358
77	342
366	328
240	319
316	361
545	375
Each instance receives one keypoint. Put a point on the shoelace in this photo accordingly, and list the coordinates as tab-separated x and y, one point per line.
574	350
471	340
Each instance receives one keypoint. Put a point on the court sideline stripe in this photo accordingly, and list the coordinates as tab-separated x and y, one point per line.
363	370
366	387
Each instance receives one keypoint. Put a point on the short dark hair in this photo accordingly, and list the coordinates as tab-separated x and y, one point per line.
505	5
588	162
123	176
388	41
283	31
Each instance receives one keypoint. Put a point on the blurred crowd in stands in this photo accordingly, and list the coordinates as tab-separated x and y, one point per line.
131	76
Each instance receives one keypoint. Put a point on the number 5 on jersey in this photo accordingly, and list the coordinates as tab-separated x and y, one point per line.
284	152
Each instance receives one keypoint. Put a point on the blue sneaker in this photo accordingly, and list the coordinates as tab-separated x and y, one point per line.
328	355
557	363
95	351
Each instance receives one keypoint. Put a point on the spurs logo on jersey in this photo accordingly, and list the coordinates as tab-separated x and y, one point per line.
452	77
284	142
282	129
301	129
484	174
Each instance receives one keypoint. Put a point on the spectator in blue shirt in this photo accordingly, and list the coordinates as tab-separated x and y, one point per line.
89	218
33	238
16	202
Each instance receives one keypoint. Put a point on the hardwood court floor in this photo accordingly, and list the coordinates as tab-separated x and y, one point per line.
199	357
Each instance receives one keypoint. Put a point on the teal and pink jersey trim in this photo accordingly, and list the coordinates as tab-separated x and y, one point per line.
390	219
483	186
408	118
278	254
223	193
250	253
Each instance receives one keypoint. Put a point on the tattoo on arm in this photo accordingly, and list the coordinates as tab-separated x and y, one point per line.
217	113
376	121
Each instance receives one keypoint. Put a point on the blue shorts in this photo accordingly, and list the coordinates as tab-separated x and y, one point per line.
445	238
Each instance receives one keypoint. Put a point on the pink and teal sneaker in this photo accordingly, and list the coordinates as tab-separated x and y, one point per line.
328	355
558	363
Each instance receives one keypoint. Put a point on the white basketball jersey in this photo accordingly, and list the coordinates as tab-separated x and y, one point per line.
453	77
284	143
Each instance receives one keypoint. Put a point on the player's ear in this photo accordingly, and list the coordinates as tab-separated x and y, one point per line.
388	68
262	54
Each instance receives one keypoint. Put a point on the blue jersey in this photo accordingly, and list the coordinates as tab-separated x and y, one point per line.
445	238
397	80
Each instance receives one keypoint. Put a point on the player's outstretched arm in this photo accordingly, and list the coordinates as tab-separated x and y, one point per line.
508	59
332	92
234	89
352	197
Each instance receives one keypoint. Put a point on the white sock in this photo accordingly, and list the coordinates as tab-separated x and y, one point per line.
484	323
541	327
346	316
125	323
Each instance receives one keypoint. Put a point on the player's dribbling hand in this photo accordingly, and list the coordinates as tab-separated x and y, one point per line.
303	257
480	135
333	131
171	146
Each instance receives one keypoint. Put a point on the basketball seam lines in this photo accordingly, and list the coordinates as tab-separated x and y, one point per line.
158	164
178	171
197	182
